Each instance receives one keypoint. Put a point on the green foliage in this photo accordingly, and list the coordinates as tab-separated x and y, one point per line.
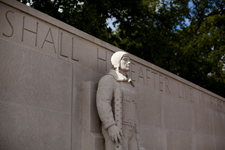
203	46
184	37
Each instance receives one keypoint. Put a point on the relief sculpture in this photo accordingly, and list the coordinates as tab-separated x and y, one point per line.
117	106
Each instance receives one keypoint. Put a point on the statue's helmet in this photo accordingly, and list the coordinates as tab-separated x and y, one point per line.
116	57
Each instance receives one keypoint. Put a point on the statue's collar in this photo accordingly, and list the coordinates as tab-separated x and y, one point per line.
119	76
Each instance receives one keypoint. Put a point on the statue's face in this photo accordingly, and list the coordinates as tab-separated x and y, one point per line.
125	63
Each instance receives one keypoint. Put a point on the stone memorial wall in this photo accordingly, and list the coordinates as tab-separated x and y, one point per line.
48	79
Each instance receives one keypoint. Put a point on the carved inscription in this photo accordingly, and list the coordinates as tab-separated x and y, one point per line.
211	102
10	24
154	78
74	56
29	30
67	48
43	36
203	99
216	104
141	76
185	92
64	52
167	85
101	59
148	78
144	75
49	39
161	83
132	71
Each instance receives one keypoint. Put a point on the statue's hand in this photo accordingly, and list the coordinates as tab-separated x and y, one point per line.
141	148
115	134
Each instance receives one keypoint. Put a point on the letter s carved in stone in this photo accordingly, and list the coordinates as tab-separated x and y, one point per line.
12	29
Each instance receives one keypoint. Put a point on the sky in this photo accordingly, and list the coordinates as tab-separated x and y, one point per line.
110	23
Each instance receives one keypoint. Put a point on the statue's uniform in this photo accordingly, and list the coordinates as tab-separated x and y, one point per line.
105	100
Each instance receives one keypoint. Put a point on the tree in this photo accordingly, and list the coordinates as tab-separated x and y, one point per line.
203	47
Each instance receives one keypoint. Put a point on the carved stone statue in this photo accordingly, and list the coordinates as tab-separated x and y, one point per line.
116	105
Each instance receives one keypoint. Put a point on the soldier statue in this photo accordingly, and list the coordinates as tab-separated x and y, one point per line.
117	106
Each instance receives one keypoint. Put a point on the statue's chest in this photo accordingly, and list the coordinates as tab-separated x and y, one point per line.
128	104
127	90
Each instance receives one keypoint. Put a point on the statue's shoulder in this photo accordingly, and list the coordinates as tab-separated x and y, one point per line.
108	80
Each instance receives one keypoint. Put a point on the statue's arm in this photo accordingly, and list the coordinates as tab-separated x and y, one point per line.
104	99
105	95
